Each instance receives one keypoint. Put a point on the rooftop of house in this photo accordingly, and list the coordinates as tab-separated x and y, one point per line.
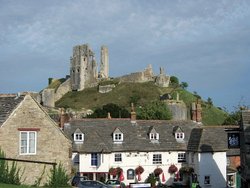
8	102
98	136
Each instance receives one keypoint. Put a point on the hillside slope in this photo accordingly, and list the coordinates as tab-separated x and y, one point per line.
140	94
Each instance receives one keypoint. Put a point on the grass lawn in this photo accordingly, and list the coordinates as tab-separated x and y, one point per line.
2	185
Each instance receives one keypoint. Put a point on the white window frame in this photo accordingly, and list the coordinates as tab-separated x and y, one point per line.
26	146
154	136
179	136
78	137
157	158
209	180
118	137
118	157
182	157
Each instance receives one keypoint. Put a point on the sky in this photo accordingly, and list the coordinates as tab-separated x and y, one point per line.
204	43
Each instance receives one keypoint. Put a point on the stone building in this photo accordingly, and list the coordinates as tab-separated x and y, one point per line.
28	133
104	64
83	68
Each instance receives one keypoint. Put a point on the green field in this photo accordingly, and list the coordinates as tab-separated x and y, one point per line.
124	93
12	186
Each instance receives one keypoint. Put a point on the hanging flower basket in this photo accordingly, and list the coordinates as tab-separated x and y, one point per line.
186	170
113	171
119	171
158	171
172	169
139	170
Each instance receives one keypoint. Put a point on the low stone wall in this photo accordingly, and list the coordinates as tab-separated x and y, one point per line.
106	88
62	89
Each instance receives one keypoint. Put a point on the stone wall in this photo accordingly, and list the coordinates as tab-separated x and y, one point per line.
64	88
178	109
48	97
106	89
52	145
144	76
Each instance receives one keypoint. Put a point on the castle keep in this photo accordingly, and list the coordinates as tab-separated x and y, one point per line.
84	74
83	67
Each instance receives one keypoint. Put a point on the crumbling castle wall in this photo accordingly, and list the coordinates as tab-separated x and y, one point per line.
64	88
144	76
48	97
83	68
104	64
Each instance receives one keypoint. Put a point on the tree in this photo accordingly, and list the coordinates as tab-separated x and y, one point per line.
174	81
114	110
154	110
184	85
209	101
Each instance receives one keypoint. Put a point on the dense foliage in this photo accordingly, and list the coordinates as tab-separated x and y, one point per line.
154	110
114	110
58	177
9	173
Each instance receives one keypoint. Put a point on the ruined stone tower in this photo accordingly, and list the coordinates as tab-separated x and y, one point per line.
83	68
104	65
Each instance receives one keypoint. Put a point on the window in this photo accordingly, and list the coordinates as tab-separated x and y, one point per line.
27	142
118	137
207	180
179	135
157	159
181	157
154	136
130	174
118	157
78	137
94	159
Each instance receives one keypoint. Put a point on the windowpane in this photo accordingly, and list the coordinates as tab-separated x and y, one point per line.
157	159
94	159
181	157
28	142
207	180
118	157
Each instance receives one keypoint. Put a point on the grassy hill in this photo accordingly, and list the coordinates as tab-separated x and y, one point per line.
140	94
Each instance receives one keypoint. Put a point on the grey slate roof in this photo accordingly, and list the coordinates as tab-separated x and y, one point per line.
7	104
98	136
208	139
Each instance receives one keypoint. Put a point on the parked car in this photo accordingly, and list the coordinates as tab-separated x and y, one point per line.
92	184
77	179
115	184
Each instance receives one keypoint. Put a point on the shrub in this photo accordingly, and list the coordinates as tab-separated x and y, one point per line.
9	173
58	177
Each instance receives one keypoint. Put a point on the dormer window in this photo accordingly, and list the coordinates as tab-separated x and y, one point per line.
179	135
78	136
153	135
117	136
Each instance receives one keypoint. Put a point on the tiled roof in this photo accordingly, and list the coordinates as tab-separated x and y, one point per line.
7	104
98	136
208	139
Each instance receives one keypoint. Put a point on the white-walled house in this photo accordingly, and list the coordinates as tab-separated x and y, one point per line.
102	144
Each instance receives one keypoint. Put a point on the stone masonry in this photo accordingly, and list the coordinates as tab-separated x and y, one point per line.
51	146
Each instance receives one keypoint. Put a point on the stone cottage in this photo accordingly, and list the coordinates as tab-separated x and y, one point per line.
28	133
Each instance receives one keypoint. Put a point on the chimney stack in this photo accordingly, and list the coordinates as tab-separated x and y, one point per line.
133	114
196	111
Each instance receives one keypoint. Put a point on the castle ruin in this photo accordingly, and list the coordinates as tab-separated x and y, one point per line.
84	74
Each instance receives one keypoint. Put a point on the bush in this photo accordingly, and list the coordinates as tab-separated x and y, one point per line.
9	174
58	177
